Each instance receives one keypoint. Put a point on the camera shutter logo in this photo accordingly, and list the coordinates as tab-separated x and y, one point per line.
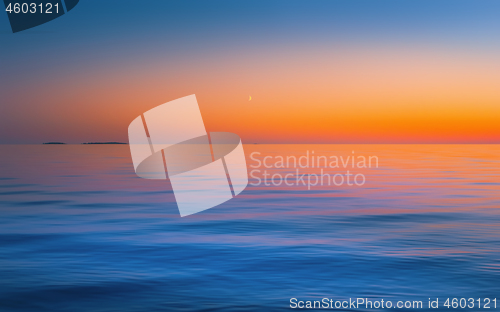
205	170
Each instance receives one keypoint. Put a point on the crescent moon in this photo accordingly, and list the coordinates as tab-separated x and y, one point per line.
250	98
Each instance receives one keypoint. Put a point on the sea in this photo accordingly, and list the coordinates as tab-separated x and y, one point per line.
79	231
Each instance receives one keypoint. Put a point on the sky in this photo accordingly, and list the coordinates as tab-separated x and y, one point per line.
317	71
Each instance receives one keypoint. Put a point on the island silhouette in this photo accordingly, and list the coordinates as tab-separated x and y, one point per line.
87	143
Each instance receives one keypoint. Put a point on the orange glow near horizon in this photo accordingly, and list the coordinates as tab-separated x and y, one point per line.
311	95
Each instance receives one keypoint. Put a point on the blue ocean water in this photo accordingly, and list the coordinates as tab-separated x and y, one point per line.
80	232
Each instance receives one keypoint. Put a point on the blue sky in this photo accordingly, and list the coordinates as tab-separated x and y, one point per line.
123	34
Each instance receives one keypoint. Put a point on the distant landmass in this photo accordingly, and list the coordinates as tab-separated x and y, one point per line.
105	143
87	143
